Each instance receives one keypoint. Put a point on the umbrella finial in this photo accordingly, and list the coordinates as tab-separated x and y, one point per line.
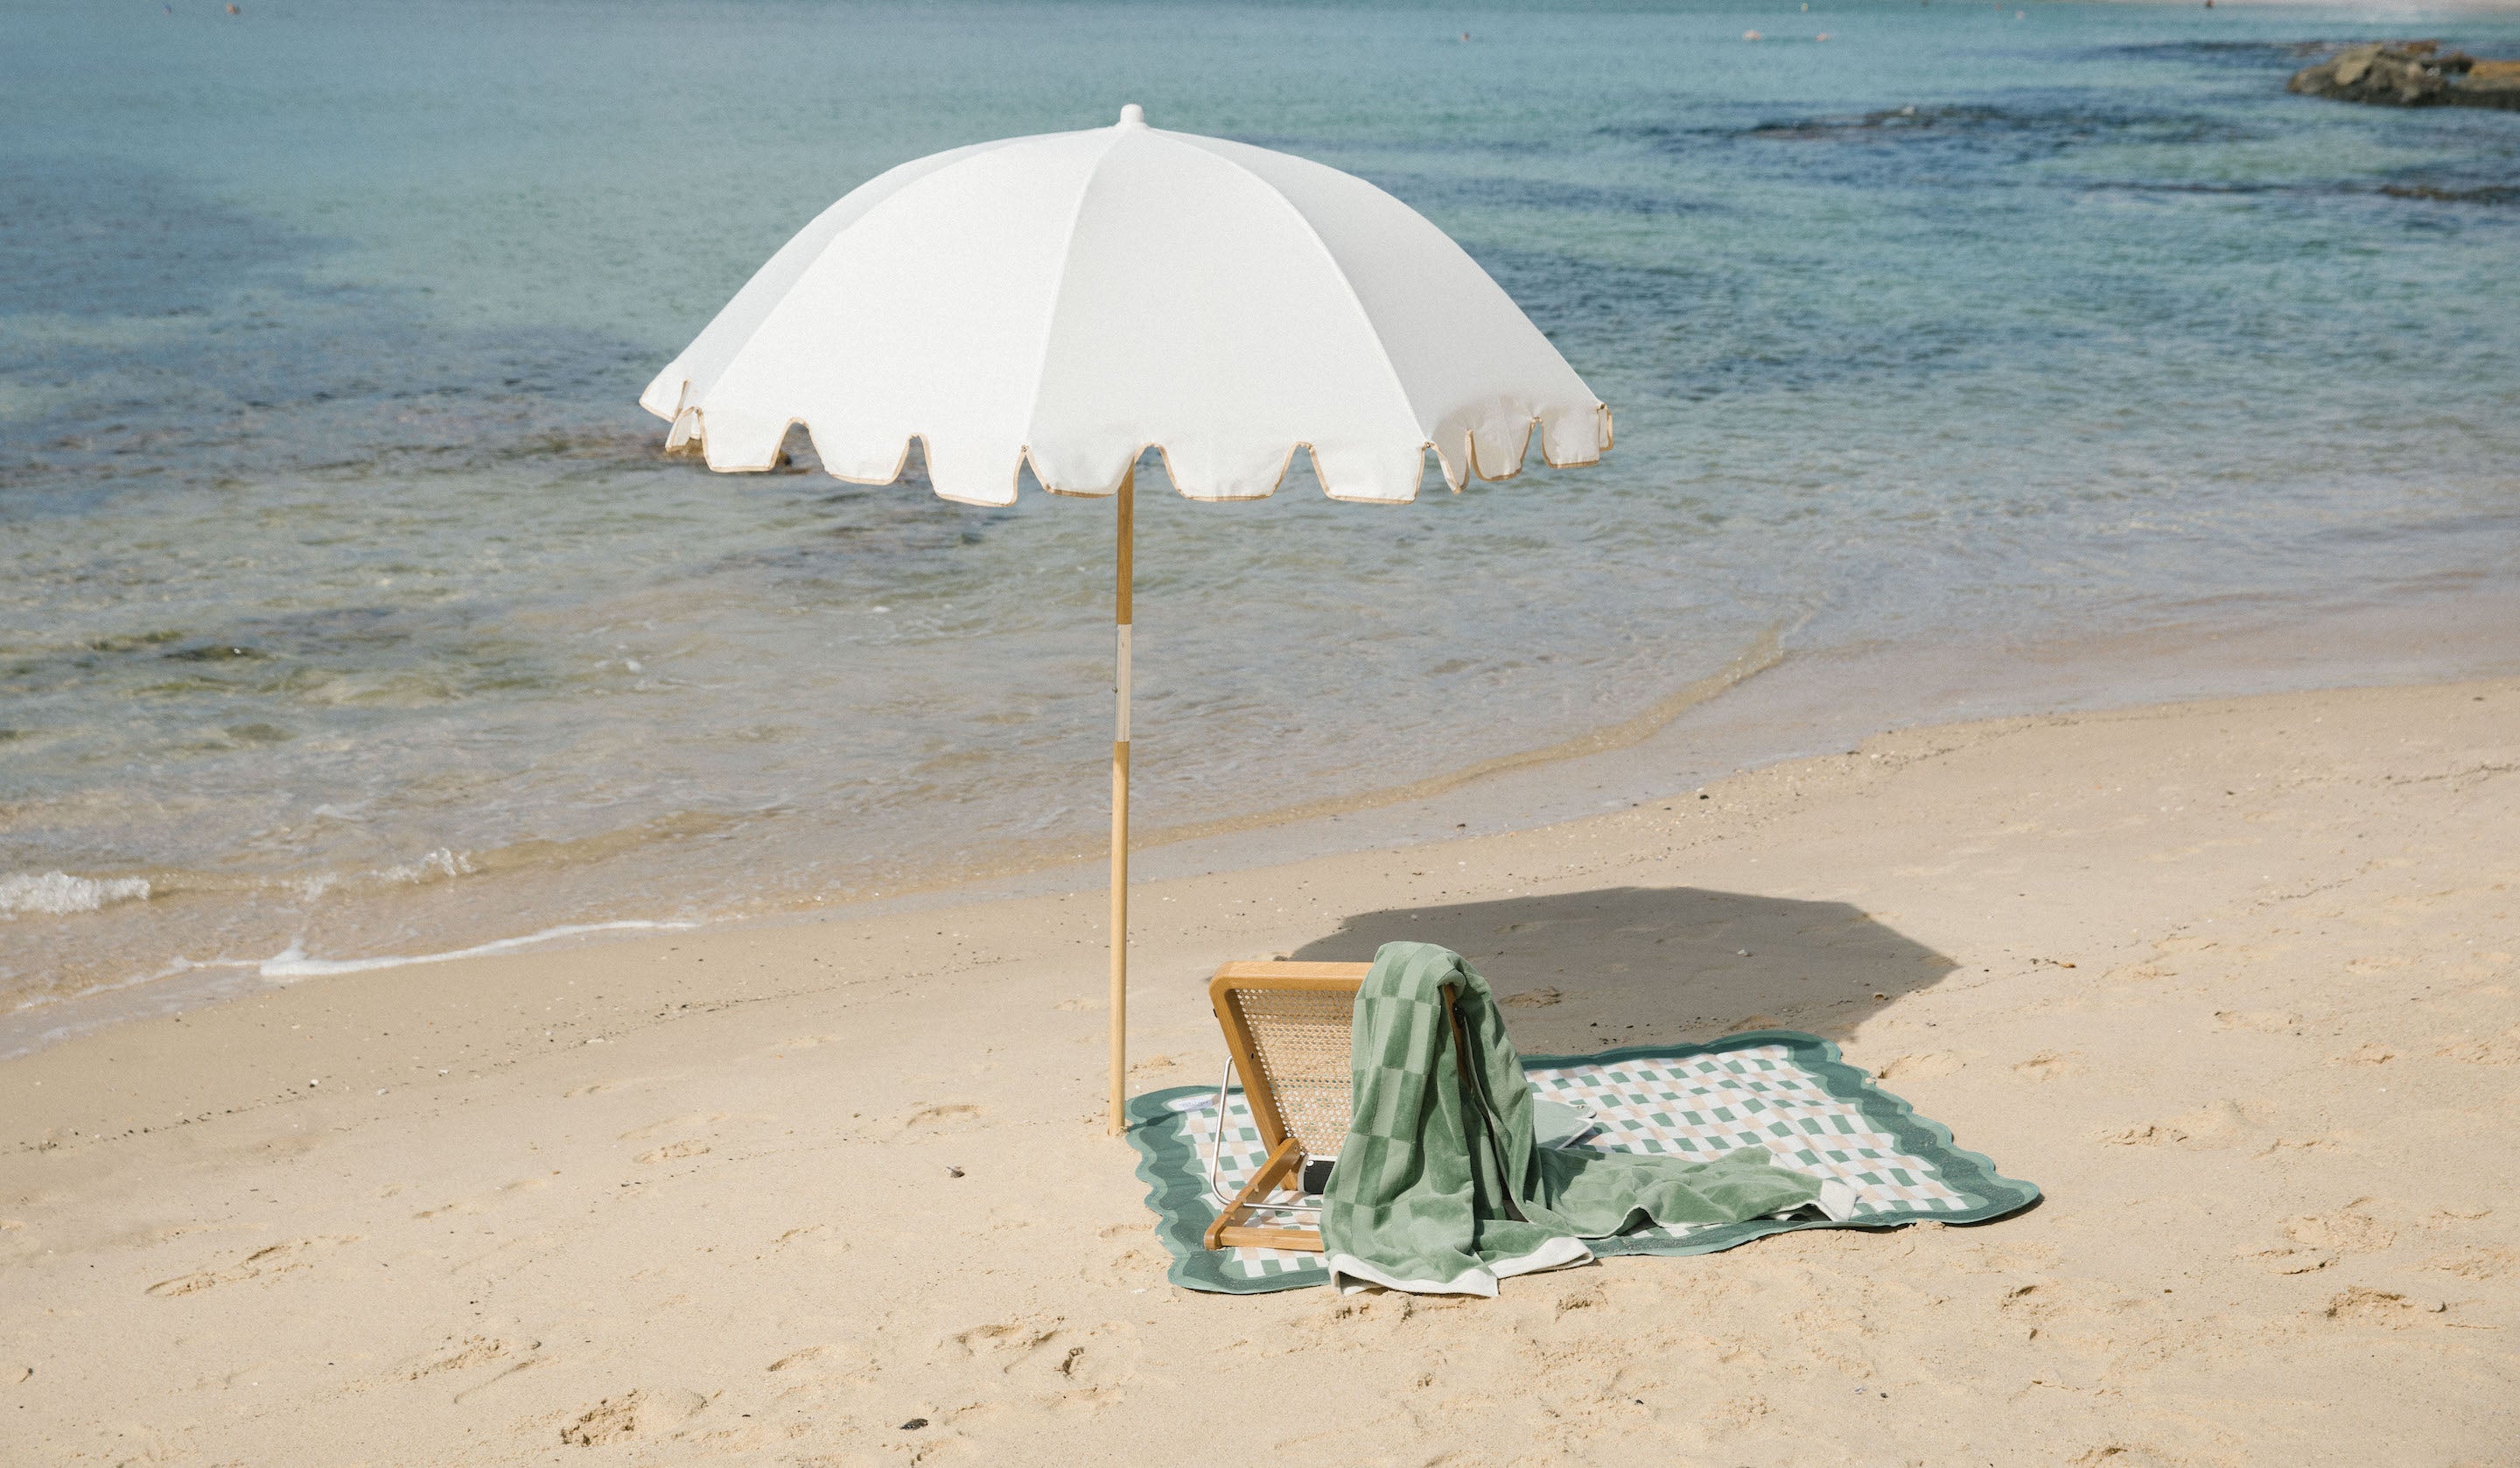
1133	116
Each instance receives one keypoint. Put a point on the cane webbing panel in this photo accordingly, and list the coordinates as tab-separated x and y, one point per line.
1299	1039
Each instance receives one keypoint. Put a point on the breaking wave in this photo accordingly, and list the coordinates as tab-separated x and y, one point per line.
57	894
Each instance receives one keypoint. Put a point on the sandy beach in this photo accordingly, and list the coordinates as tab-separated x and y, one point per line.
2231	981
565	607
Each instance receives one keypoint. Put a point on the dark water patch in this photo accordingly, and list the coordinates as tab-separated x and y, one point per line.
237	366
2239	55
89	237
2300	189
2493	195
1437	193
134	642
2021	129
1330	150
899	532
1979	148
212	653
202	407
1712	333
455	653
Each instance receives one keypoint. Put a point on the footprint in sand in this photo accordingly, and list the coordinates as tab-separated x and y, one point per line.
673	1151
483	1205
1018	1335
1008	1344
939	1117
2379	966
1072	1373
521	1364
2351	1230
2501	1049
262	1263
2314	1241
2039	1300
2046	1065
673	1123
1734	1415
2220	1125
463	1356
2484	1262
2263	1021
830	1238
1929	1066
2013	1256
639	1413
2362	1305
810	1372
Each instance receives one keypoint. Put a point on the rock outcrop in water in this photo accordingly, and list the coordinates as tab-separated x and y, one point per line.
2411	73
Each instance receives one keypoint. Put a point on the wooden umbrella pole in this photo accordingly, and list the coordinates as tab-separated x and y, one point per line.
1120	596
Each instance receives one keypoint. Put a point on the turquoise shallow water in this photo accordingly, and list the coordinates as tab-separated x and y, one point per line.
348	606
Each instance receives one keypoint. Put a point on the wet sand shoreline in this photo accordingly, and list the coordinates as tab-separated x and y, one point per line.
1774	702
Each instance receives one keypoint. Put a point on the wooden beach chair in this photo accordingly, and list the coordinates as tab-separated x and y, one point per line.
1286	1029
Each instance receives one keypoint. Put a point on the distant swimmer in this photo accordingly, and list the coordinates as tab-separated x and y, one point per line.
1749	36
1466	35
232	9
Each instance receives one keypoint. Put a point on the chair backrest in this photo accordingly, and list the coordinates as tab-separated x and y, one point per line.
1286	1025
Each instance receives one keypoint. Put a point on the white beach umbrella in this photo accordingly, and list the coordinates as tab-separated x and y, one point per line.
1072	299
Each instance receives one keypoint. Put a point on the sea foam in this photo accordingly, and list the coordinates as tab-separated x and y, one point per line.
294	963
57	894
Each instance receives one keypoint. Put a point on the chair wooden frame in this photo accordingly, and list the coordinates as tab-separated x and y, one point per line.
1233	1227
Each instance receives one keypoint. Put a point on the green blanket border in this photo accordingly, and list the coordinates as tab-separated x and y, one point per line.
1177	1189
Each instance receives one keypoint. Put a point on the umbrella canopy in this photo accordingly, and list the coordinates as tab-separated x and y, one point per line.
1074	298
1070	300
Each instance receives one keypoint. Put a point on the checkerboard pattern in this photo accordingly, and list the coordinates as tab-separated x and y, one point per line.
1699	1104
1236	1156
1706	1105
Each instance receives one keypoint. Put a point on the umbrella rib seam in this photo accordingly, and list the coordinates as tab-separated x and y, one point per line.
1303	222
758	327
1049	326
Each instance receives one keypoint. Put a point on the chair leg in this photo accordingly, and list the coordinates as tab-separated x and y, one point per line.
1228	1232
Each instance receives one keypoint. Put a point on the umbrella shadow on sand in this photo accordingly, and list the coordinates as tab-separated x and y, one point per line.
1622	965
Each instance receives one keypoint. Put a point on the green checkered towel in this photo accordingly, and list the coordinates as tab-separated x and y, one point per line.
1439	1189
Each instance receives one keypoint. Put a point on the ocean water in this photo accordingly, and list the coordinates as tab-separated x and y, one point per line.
349	609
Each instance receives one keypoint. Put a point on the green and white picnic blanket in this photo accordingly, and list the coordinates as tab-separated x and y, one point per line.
1787	1095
